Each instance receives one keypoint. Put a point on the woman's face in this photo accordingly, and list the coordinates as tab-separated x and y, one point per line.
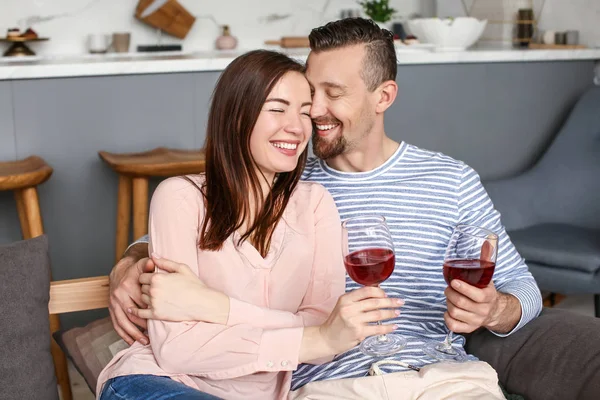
283	127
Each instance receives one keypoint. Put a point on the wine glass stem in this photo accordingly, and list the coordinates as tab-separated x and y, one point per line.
448	340
381	338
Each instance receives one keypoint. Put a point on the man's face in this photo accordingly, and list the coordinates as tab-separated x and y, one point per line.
343	109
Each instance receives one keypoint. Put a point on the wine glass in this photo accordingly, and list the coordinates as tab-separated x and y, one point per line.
470	257
369	259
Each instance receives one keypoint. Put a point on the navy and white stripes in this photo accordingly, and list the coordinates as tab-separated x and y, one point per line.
423	196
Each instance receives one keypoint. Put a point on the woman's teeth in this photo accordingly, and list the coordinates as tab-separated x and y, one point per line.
289	146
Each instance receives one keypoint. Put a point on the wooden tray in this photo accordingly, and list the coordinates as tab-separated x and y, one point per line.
18	39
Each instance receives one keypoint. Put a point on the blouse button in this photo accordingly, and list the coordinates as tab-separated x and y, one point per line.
270	364
284	363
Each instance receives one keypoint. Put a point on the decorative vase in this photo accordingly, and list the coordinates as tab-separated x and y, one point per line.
226	41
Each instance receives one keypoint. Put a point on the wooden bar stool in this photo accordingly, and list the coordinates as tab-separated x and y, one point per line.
22	177
134	171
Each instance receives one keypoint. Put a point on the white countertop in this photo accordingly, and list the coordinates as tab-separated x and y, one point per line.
154	63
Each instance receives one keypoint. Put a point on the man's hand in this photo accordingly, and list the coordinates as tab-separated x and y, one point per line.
125	293
470	308
180	295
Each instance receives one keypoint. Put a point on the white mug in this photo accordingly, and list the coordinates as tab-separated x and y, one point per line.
99	42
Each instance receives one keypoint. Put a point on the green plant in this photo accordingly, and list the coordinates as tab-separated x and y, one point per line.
378	10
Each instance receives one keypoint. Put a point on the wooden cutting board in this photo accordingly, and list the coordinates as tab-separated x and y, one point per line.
290	42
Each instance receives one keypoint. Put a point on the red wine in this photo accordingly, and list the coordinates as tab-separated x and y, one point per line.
475	272
370	267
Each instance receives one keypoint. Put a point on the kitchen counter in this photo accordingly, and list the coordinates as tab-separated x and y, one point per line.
155	63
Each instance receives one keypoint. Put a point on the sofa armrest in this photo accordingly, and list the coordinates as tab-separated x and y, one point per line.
555	356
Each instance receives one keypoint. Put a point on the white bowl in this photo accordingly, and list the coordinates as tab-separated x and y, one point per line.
448	34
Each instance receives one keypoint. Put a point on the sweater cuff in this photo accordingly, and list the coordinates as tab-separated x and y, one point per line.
530	300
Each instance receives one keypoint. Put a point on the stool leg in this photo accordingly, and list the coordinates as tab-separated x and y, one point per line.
31	207
140	207
123	215
22	215
597	305
61	367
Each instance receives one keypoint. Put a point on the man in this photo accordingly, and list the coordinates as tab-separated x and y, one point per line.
423	195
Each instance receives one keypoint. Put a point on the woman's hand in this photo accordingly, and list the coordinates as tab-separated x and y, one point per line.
350	322
179	295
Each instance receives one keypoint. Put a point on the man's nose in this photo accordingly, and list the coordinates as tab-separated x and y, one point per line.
319	107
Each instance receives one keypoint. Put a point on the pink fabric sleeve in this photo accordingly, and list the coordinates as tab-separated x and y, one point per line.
327	276
203	349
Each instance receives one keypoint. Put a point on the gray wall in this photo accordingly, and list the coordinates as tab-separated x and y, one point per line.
496	117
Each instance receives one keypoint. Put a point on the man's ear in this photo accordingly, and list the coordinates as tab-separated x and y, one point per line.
388	91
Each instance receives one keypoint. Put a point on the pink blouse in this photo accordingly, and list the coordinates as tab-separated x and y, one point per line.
297	284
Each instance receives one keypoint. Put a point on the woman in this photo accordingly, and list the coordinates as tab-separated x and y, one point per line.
267	246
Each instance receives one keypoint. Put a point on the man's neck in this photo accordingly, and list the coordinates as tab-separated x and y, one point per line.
366	157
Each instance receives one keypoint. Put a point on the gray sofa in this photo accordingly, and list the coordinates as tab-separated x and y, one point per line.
552	211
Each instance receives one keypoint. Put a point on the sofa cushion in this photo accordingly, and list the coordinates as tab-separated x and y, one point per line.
90	348
26	367
560	246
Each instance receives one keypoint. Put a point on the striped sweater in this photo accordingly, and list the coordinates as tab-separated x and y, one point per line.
423	195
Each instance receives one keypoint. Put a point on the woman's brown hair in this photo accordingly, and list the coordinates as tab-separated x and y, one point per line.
231	171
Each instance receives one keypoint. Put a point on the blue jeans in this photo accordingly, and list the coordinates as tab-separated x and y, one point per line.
150	387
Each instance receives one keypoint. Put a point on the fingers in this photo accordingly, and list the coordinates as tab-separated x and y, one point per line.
488	249
145	290
379	303
146	278
462	315
458	326
475	294
459	300
127	327
378	315
142	313
119	330
145	265
147	300
166	265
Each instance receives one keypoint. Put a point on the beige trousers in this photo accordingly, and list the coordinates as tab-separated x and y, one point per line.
473	380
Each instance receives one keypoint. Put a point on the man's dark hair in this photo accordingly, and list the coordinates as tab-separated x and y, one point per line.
379	64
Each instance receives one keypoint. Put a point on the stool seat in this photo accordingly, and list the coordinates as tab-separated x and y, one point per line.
20	174
135	171
161	162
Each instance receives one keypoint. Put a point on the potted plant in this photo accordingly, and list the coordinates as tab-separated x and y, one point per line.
379	11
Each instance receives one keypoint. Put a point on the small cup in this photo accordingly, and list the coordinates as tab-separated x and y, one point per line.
573	37
98	43
549	37
560	38
120	42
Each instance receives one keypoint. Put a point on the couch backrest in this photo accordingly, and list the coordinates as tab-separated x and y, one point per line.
567	178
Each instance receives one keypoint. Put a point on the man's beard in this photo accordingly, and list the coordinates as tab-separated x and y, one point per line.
325	149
